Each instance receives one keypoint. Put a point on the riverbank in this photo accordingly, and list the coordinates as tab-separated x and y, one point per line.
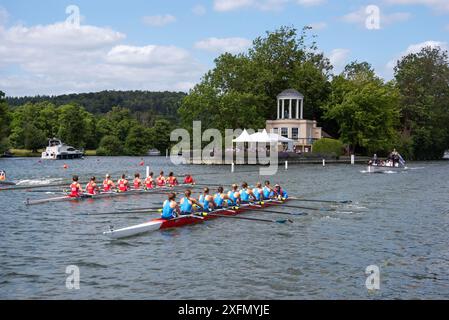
26	153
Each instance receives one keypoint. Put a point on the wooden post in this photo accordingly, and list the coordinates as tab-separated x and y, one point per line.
286	165
324	162
232	167
352	159
148	171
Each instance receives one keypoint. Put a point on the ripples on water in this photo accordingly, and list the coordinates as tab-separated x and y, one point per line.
399	222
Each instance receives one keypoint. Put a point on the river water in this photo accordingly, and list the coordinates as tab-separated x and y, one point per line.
397	221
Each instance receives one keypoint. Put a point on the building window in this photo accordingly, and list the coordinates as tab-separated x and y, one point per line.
284	132
295	132
276	130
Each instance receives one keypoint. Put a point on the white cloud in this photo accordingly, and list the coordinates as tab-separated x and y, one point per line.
414	48
437	5
360	17
199	10
60	58
318	26
159	20
4	15
264	5
232	45
310	3
339	58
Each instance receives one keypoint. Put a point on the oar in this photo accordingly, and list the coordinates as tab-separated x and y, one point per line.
246	218
37	186
154	210
318	200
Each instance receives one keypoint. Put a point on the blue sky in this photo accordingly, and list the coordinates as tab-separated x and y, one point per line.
169	45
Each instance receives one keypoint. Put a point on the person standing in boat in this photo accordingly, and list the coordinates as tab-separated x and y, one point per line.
75	188
137	181
220	198
206	200
2	175
189	179
108	184
123	184
92	187
149	181
280	193
246	194
170	208
172	180
187	202
161	181
234	196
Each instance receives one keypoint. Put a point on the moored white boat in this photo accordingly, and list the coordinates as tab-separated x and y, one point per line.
57	150
446	155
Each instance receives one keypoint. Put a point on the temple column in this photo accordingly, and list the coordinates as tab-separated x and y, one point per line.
279	106
302	105
283	110
290	109
297	108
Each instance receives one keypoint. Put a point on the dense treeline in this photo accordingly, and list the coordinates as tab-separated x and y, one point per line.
368	114
145	105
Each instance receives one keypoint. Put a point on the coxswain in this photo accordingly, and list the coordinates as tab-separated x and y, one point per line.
280	193
160	181
187	202
189	179
149	181
246	194
108	184
170	208
172	180
75	188
268	192
220	198
206	200
123	184
258	192
92	187
2	175
234	195
137	181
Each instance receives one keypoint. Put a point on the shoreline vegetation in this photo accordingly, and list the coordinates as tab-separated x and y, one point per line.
364	113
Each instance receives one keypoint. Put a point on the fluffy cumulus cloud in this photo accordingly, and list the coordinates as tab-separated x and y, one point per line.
159	20
220	45
62	58
361	16
438	5
339	58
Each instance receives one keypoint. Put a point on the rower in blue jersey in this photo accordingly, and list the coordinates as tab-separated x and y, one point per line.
280	193
234	196
206	200
187	203
246	194
268	192
170	208
220	198
258	192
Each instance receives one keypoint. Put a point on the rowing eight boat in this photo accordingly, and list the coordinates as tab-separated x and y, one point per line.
159	224
101	195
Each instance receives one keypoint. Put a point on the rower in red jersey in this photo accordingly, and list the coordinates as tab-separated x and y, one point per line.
189	179
108	184
92	187
161	181
137	181
123	184
75	188
149	181
172	180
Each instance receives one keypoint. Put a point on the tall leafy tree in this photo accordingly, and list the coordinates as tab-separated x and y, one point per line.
423	82
71	125
4	123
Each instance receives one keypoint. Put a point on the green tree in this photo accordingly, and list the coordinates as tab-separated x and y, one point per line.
159	136
4	123
110	146
422	79
328	146
365	109
71	125
34	138
136	142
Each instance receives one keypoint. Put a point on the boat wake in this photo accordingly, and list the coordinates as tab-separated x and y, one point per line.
38	182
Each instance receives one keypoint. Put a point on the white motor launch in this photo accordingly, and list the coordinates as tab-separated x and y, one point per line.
57	150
